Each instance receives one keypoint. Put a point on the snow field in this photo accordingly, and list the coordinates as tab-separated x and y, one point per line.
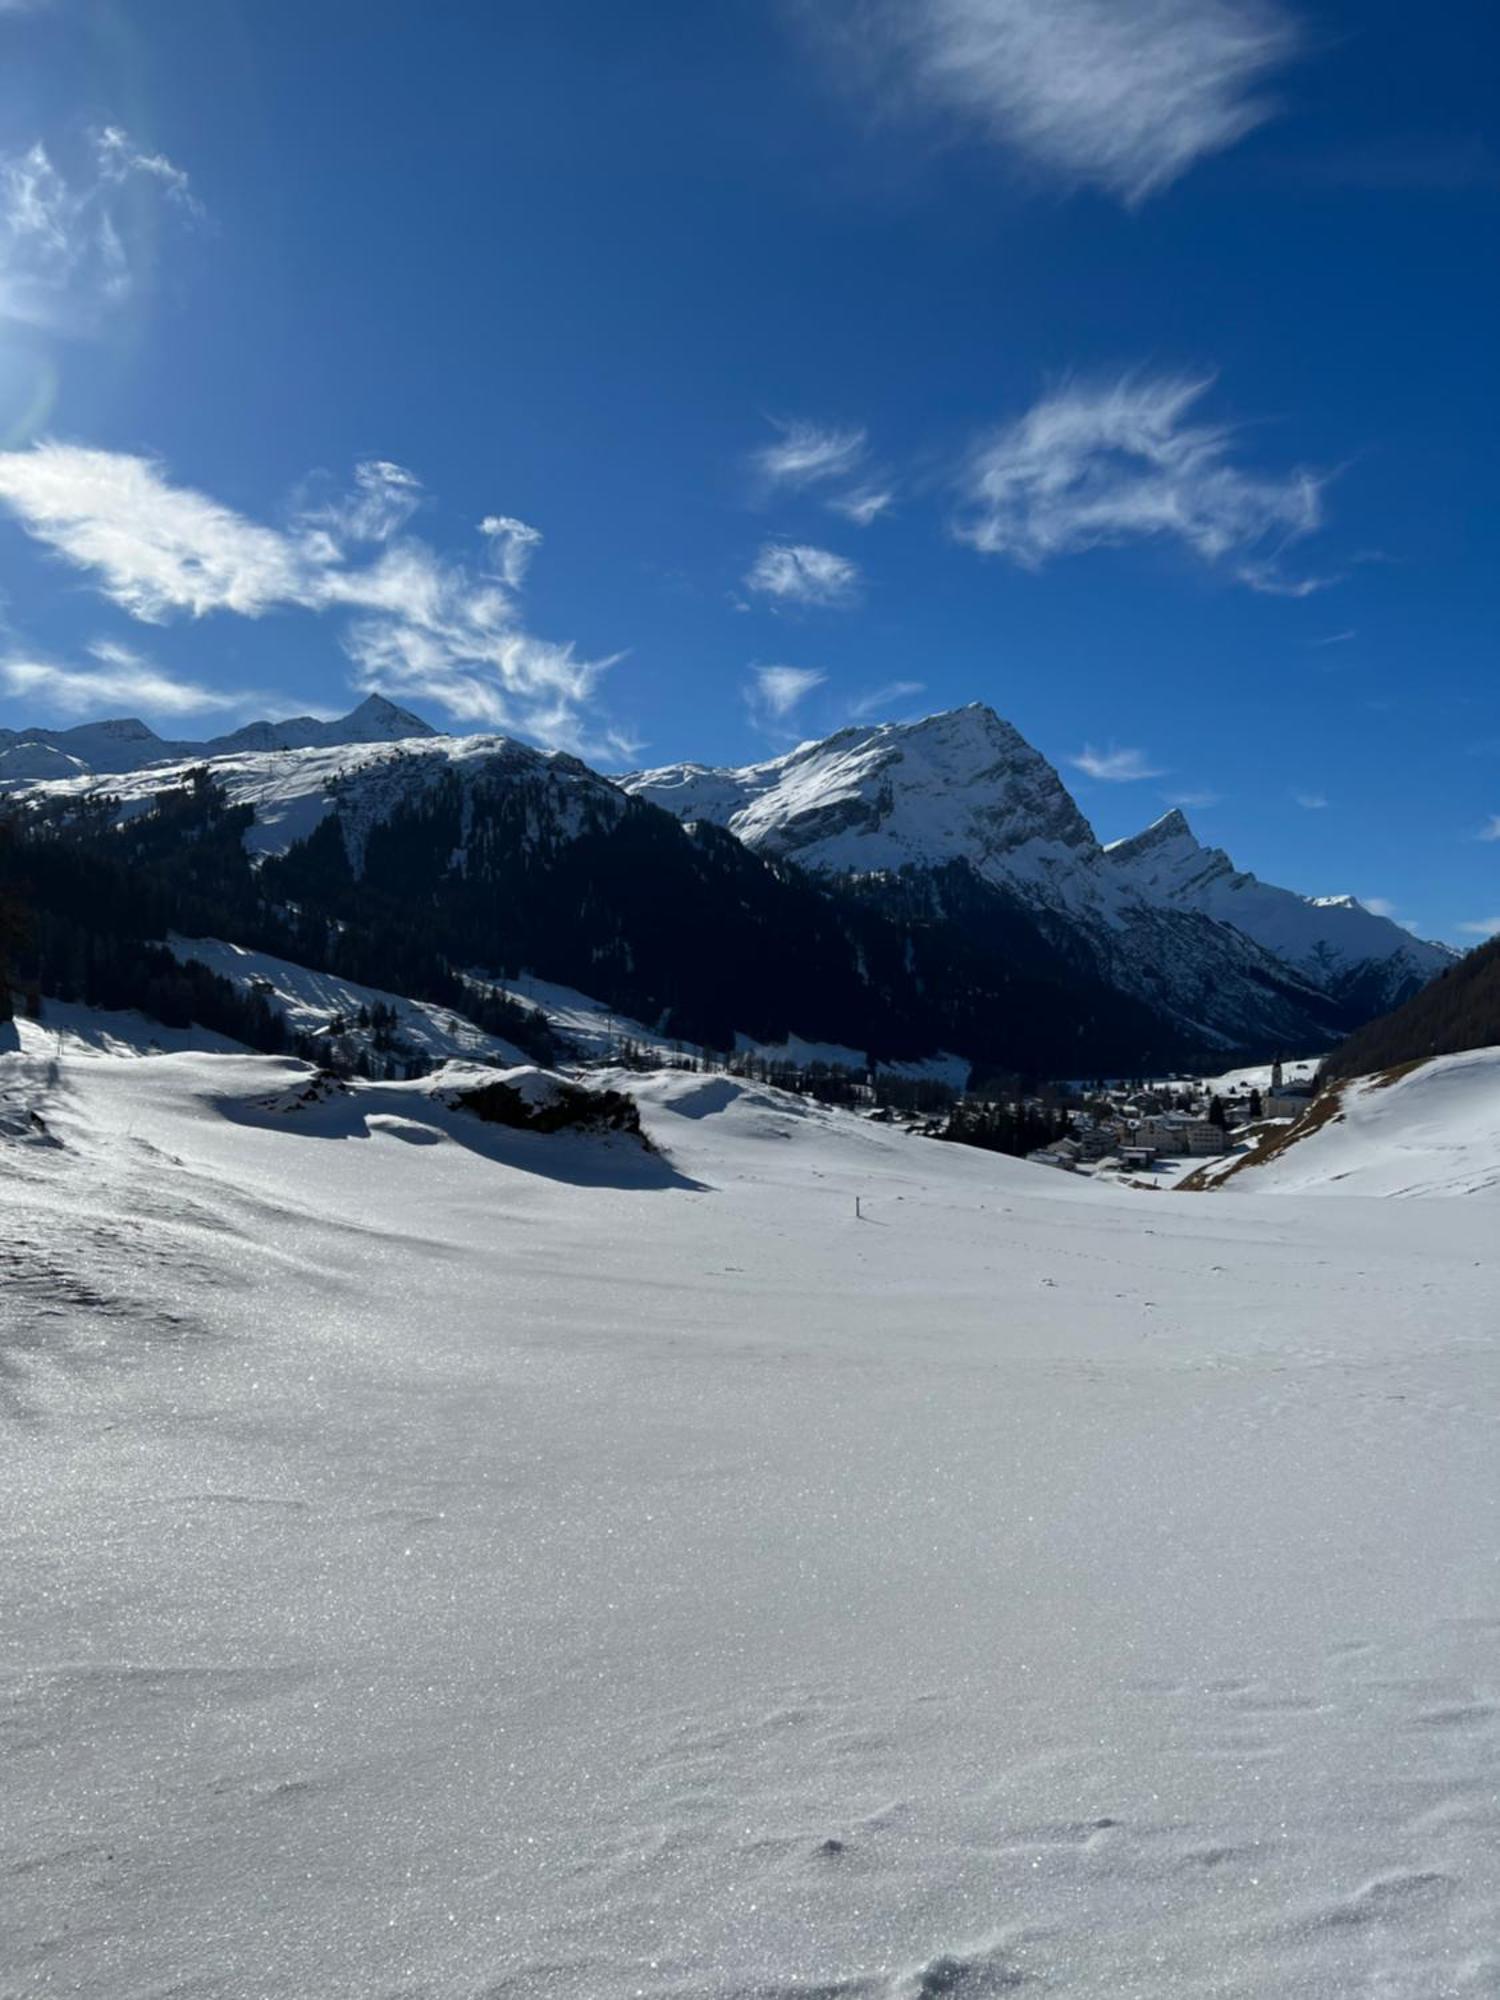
451	1562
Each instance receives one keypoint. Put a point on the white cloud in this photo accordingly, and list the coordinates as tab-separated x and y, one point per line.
69	247
515	544
157	548
122	680
1199	801
1123	95
1482	927
1114	767
1491	828
805	454
863	506
421	625
1097	466
886	696
383	500
776	691
1310	801
119	159
794	573
1378	906
1269	581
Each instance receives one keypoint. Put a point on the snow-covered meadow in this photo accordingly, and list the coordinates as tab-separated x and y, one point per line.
448	1562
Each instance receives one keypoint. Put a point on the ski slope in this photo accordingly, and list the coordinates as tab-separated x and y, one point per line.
446	1562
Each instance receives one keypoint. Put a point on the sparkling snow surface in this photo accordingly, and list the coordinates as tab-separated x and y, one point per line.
446	1562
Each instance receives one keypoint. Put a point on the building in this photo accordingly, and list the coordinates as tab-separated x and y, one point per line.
1284	1099
1182	1134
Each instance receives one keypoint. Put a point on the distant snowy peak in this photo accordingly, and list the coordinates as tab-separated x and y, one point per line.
376	720
127	744
961	785
1333	939
290	792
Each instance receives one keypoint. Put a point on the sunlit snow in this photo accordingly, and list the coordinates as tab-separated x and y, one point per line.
803	1560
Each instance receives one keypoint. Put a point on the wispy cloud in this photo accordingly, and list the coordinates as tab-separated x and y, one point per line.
773	692
1481	927
806	454
1335	638
1099	465
381	502
1193	800
69	250
120	159
1099	93
1270	582
795	573
865	505
122	680
514	544
418	624
1114	766
1310	801
1491	828
880	700
1378	906
810	454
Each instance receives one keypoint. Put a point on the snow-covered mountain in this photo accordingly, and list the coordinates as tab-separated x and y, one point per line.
127	744
390	862
964	785
964	902
1163	917
1335	940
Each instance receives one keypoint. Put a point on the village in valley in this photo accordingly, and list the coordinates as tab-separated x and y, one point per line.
1161	1129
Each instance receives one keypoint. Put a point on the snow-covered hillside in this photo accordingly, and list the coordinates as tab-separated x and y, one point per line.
290	792
323	1004
1432	1130
450	1561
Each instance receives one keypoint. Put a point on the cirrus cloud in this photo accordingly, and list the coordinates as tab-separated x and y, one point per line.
70	252
1115	766
775	691
1098	465
122	679
1120	95
805	454
796	573
417	623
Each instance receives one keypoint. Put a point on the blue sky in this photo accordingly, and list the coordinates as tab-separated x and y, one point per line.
670	380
